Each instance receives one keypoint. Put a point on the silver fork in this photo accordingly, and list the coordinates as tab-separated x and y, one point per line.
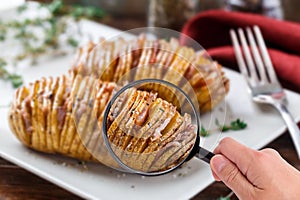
261	77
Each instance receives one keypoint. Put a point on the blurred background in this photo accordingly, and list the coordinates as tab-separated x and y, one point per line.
173	13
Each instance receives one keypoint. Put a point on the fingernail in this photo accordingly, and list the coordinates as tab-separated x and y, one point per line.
218	162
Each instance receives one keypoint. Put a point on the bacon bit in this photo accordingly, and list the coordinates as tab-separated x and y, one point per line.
167	147
61	114
27	101
141	118
45	110
155	50
190	72
82	108
27	122
67	92
157	134
135	54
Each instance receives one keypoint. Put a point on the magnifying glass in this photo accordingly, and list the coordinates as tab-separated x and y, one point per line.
148	135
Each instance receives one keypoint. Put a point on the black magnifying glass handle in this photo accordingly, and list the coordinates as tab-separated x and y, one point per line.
204	155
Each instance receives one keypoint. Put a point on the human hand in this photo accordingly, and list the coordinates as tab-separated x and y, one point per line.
252	174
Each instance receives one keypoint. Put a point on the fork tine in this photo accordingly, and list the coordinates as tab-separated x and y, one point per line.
238	53
257	57
248	57
265	55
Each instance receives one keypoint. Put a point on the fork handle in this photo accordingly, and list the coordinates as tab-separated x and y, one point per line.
291	125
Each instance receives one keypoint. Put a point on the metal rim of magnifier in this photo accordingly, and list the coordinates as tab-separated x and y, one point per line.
106	140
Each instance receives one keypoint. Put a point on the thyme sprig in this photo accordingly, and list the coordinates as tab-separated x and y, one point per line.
223	198
227	197
51	27
204	132
234	125
15	79
58	8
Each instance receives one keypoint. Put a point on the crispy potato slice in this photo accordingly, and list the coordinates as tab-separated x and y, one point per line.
120	54
100	151
94	131
170	129
52	86
57	111
142	60
34	117
69	126
78	110
41	115
157	129
109	63
128	65
121	124
86	134
120	120
81	122
44	112
19	117
158	159
174	151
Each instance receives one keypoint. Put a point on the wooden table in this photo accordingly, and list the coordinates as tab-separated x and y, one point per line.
17	183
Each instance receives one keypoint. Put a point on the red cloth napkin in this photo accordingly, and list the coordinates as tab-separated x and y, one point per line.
211	30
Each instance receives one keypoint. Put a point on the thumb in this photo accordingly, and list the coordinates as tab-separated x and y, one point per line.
226	171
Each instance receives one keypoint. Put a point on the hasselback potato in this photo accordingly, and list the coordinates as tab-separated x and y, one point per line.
64	115
59	115
129	60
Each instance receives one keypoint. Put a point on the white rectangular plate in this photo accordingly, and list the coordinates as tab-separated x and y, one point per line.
99	182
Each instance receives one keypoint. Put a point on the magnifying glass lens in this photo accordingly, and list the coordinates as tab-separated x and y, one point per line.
150	126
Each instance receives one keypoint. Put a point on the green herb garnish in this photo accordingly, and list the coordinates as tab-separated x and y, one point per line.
80	162
22	8
58	8
204	132
223	198
227	197
15	79
73	42
55	7
52	26
162	110
234	125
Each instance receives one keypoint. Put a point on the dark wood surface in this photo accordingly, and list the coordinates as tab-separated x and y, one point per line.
17	183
